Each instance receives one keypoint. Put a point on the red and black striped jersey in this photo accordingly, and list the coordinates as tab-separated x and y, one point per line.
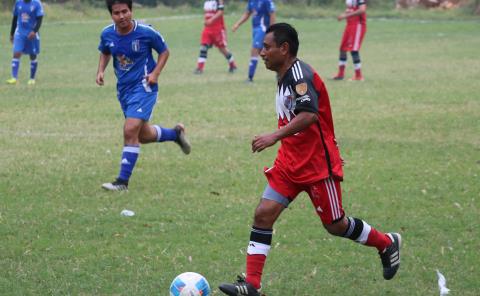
311	154
210	8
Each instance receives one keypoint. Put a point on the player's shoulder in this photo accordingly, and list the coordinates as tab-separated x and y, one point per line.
145	28
108	29
301	71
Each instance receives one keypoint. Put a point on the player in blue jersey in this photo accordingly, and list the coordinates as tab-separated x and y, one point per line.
263	15
131	44
26	22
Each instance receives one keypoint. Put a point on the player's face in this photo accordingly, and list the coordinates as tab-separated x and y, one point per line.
272	55
122	16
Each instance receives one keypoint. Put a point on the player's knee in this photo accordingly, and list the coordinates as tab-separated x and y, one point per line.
337	228
264	217
203	50
343	56
356	57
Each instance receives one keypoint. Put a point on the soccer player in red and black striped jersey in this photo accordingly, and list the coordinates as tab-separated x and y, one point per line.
307	160
214	34
356	17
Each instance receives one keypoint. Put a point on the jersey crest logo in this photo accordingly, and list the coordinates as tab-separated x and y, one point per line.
136	45
301	88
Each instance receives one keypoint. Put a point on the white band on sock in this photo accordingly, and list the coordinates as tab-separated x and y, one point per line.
357	66
342	63
159	132
256	248
362	238
201	60
131	149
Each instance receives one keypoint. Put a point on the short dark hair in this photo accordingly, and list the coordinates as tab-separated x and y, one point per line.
283	32
110	3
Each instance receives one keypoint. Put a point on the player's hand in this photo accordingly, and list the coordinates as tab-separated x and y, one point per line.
31	35
99	80
208	22
261	142
151	78
341	17
235	28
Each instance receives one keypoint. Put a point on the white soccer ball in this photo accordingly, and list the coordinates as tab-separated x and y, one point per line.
189	284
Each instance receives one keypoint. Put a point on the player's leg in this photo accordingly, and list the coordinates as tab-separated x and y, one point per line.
205	43
357	65
326	196
33	68
156	133
18	48
257	45
221	44
342	62
277	196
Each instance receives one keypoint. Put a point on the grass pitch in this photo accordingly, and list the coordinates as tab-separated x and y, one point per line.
409	134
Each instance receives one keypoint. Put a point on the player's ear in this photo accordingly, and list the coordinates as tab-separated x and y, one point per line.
285	48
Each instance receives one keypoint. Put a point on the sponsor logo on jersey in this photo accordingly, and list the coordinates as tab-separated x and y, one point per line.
124	62
305	98
301	88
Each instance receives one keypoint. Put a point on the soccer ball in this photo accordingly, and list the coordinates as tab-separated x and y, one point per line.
189	284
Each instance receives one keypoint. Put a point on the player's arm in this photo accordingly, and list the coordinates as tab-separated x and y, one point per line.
35	30
362	9
152	78
102	65
13	27
242	19
218	14
298	123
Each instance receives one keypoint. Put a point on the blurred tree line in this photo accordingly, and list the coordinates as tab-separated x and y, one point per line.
8	4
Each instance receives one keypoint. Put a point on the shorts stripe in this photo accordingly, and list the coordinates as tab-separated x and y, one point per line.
358	35
333	198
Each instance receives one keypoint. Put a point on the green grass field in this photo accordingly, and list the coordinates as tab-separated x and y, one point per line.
409	133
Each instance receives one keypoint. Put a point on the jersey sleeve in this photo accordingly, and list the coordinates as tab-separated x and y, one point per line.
15	11
103	45
306	97
271	7
158	43
220	5
250	6
39	10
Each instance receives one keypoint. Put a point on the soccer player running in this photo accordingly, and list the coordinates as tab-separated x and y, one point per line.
131	43
24	35
307	160
214	34
263	15
356	17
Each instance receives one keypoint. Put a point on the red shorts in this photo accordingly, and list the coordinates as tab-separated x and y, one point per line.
216	37
353	37
326	194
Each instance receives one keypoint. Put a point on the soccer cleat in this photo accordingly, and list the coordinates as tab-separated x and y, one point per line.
356	78
31	82
116	185
232	69
239	288
11	81
391	256
338	77
181	139
198	71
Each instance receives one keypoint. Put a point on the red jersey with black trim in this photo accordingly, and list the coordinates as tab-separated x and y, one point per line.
311	154
353	5
211	7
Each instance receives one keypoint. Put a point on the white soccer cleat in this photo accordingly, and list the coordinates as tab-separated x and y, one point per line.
115	186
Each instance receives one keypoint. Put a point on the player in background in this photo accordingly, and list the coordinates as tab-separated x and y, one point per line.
356	17
263	15
214	34
307	160
130	44
24	35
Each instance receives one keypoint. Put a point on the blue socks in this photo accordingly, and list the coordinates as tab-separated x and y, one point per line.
15	67
252	67
33	68
165	134
129	158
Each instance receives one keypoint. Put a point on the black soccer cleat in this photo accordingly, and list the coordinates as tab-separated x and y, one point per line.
232	69
239	288
391	256
181	139
117	185
198	71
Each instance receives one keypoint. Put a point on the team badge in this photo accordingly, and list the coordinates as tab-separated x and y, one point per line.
136	45
301	88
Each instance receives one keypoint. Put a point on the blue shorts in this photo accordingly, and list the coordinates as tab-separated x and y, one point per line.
257	38
138	103
22	44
